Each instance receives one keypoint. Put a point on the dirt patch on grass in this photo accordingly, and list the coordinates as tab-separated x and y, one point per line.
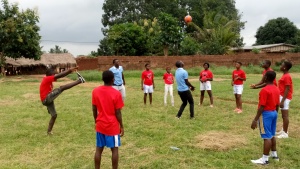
31	96
219	141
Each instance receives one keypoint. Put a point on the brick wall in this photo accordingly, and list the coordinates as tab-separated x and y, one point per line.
138	62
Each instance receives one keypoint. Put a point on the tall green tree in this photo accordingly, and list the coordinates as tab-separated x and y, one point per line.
57	49
19	35
170	32
279	30
127	39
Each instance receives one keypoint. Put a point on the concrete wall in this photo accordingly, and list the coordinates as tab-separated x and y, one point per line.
138	62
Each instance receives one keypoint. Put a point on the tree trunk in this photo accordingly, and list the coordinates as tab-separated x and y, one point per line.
2	64
166	50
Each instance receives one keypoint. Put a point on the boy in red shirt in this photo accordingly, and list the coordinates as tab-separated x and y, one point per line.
205	77
107	103
147	83
169	80
285	85
48	94
266	65
238	78
266	117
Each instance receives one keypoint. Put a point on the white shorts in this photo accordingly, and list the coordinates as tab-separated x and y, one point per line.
205	86
148	89
121	89
238	89
285	104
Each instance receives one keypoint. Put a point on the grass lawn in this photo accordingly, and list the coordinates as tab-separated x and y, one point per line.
216	138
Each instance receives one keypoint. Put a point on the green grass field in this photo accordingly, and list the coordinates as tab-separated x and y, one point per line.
216	138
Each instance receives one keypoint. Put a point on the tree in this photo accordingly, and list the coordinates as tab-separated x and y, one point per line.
280	30
105	49
127	39
58	49
170	32
19	35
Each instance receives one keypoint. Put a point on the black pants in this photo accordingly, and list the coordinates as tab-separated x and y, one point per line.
186	96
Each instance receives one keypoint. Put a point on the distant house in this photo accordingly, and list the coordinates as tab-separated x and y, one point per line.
272	48
61	61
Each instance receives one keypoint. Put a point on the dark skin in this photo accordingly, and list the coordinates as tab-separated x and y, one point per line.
269	144
115	150
142	84
284	113
116	64
205	66
64	87
192	88
261	83
238	97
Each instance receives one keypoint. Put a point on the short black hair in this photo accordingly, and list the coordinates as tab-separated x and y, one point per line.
268	62
147	64
49	70
107	76
270	76
114	61
287	64
178	64
206	64
239	63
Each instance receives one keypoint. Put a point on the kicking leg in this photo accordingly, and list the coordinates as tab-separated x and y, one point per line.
70	85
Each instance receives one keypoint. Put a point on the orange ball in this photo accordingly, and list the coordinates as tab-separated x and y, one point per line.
188	19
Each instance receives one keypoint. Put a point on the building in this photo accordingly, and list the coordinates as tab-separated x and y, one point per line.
271	48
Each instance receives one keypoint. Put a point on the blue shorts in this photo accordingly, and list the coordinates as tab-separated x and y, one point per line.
108	141
267	124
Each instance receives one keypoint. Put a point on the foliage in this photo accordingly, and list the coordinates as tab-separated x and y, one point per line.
57	49
189	46
170	33
104	48
296	49
127	39
280	30
19	35
217	35
255	50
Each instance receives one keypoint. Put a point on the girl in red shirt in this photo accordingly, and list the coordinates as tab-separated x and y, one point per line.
205	77
238	78
169	80
285	85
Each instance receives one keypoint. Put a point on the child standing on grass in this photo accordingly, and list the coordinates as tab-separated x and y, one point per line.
107	103
285	85
169	80
266	117
147	83
266	65
48	94
205	77
238	78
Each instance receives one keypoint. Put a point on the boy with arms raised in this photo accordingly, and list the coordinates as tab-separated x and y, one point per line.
266	117
48	94
238	78
107	103
147	83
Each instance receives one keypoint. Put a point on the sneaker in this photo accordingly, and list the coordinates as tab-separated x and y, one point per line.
275	158
283	135
80	78
280	132
260	161
178	118
49	133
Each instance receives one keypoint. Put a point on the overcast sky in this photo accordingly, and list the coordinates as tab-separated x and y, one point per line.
75	25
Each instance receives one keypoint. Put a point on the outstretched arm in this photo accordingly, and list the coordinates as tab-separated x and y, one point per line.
65	73
260	84
119	118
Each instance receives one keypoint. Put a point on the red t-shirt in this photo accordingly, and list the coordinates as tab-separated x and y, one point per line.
265	71
169	78
206	73
147	77
46	86
269	97
107	100
238	73
286	80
